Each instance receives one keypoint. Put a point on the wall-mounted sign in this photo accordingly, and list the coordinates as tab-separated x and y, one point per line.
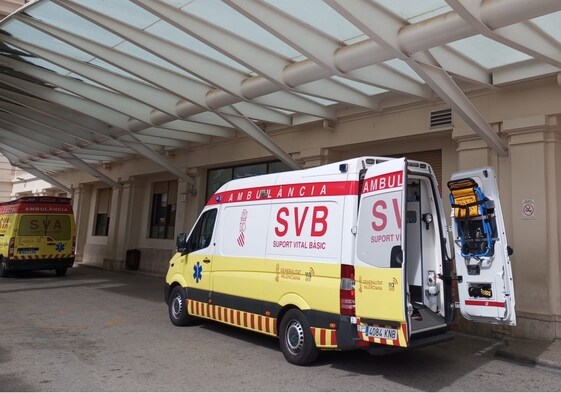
528	209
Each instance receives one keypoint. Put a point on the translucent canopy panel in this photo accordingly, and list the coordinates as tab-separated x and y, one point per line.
490	54
414	10
550	24
318	14
161	75
48	11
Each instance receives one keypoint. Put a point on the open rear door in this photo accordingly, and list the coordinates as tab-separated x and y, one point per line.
481	253
380	281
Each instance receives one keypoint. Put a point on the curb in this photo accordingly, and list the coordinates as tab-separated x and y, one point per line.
516	357
532	353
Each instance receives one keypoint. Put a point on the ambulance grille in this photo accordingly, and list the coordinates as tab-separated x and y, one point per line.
441	118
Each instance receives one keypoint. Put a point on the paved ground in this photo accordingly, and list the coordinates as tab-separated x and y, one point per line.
96	330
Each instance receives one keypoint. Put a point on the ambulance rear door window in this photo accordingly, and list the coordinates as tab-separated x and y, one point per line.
57	227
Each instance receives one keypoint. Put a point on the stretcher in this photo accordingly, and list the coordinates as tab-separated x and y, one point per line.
473	217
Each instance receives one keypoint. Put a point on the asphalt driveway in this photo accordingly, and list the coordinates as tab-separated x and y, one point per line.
96	330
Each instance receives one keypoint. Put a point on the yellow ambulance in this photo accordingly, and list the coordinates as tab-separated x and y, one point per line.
37	233
348	255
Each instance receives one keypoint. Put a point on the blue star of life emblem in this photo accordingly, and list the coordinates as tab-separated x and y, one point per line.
60	247
197	272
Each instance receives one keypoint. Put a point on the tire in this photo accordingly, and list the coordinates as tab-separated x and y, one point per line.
3	270
60	272
177	308
296	340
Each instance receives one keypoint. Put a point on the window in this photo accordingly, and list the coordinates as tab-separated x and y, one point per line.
216	178
57	227
202	233
164	203
102	212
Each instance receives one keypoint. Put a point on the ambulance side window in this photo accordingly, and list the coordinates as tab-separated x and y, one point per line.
202	233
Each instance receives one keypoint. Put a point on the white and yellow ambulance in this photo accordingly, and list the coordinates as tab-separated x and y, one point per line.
37	233
343	256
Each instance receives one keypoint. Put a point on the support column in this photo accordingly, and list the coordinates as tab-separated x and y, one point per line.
190	200
119	226
535	152
316	157
474	152
110	259
124	217
81	201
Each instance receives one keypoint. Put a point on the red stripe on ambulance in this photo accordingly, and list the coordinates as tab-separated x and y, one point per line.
324	338
286	191
485	303
385	181
256	322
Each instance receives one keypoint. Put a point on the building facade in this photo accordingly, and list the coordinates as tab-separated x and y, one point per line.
152	206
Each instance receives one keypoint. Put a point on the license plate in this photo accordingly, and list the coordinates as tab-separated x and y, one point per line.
378	332
27	251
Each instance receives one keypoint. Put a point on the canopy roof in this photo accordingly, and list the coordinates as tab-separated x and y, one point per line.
88	82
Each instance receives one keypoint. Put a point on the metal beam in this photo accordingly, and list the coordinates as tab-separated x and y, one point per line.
136	98
249	127
524	37
228	79
36	172
321	48
162	77
125	136
19	140
175	86
43	176
261	60
465	68
384	28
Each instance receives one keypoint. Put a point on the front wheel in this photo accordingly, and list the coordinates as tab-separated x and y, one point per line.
177	308
60	272
296	340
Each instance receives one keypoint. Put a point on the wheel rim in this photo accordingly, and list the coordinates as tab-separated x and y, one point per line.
294	337
176	307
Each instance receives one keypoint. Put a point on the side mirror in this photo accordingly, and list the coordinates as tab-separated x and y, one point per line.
509	250
181	242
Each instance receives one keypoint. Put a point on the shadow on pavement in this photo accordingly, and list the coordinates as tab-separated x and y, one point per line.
122	283
403	367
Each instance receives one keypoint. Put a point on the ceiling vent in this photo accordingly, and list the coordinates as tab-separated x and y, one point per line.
441	118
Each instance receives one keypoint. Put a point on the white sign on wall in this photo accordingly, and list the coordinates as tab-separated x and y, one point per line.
528	209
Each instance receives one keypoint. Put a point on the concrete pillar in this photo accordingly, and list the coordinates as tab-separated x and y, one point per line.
190	200
81	202
111	260
315	157
124	217
535	146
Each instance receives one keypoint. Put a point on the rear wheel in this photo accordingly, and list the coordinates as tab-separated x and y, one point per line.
61	271
177	308
3	270
296	340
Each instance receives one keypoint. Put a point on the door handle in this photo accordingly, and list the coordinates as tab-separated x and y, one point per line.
206	260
